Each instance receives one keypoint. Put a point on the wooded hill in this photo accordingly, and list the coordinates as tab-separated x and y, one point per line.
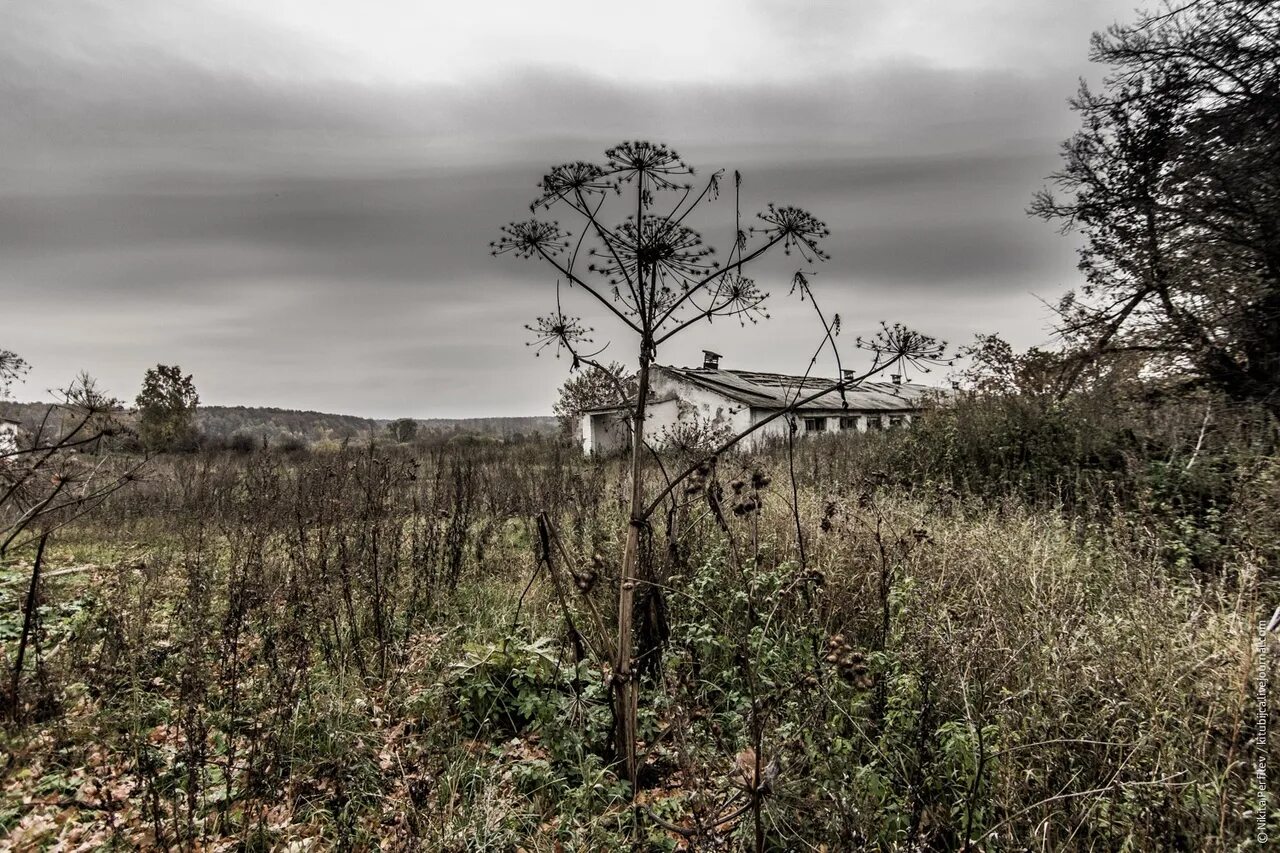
222	422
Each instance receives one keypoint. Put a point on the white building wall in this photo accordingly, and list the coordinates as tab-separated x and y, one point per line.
687	401
678	402
862	422
605	432
772	431
8	437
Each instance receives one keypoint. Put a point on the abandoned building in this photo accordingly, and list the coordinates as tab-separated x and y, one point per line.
700	405
8	435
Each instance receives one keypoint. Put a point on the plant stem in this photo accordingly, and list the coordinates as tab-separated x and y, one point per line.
625	688
28	617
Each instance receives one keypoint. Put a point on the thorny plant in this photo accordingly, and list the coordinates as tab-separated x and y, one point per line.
655	275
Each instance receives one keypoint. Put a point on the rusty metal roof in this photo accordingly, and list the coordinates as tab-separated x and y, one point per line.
777	390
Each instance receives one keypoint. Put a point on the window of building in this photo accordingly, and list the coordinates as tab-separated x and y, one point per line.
875	423
849	423
815	424
896	421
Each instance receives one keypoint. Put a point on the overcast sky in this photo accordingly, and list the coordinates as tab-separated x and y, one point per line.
293	199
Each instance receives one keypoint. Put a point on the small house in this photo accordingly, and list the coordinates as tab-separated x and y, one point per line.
8	435
709	404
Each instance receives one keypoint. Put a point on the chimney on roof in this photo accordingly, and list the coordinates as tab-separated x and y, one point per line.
896	378
710	360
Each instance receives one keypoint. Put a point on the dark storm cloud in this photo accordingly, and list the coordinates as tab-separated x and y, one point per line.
322	243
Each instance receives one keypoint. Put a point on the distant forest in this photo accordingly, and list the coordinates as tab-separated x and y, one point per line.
219	423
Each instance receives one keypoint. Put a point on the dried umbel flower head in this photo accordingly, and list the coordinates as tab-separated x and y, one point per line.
657	246
795	229
560	331
659	166
898	344
529	238
737	296
760	480
746	507
571	180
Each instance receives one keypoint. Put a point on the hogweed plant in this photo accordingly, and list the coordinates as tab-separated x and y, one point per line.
655	275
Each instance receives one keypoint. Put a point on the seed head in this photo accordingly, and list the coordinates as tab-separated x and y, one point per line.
850	663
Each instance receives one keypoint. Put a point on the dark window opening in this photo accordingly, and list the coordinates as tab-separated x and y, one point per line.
848	423
815	424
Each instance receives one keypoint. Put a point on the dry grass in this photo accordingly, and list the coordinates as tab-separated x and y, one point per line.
358	649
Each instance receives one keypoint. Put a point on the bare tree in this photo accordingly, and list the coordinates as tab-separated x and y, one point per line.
54	478
1174	181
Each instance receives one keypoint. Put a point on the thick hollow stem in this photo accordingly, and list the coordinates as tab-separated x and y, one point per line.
625	688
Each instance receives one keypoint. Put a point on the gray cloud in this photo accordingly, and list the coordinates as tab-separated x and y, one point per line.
322	242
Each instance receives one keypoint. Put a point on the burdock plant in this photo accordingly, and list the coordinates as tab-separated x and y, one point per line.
657	277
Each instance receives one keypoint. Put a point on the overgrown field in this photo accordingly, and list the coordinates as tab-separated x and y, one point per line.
1017	627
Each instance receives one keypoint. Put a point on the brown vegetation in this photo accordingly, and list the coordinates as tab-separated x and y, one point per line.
1009	627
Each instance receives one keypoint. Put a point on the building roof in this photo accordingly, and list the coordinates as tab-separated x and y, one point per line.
777	390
